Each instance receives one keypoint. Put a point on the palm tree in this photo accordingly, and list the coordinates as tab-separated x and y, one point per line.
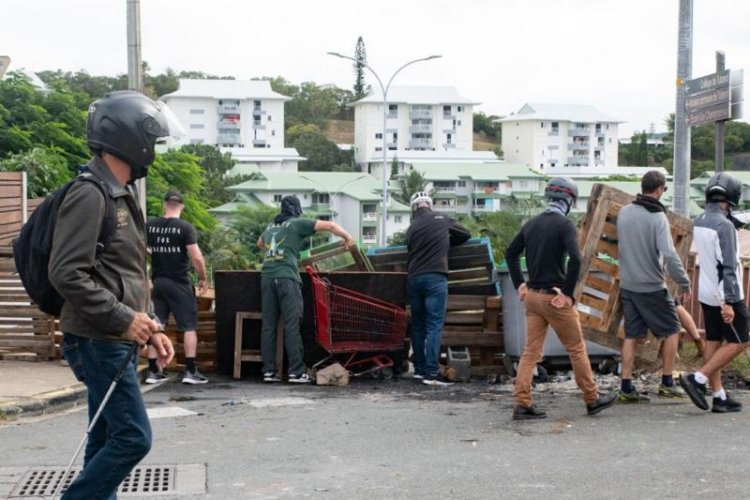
411	183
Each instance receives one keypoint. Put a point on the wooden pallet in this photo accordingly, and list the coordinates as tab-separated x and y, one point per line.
599	287
335	257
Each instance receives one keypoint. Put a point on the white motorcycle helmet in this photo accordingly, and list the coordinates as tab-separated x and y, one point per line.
418	198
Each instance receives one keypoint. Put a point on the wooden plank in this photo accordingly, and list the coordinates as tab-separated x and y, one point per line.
591	301
20	310
597	283
608	248
470	274
464	317
609	230
604	266
472	339
458	302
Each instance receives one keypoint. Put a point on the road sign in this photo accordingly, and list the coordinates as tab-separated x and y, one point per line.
4	63
712	98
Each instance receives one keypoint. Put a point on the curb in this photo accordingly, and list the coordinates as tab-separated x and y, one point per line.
49	402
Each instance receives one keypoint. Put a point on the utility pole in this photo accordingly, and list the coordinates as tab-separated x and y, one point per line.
681	165
719	146
135	73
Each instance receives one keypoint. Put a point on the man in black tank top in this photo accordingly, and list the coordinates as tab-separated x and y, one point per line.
173	244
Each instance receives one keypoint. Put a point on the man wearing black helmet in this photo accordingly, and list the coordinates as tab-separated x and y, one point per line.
720	293
645	249
281	285
107	306
548	297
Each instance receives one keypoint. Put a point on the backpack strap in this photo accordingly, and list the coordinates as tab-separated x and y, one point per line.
109	223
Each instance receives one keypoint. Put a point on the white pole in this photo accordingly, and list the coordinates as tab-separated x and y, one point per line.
681	165
135	73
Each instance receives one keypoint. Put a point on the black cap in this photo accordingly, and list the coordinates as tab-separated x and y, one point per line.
173	195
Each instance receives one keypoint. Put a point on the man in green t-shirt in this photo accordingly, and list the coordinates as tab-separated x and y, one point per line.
281	286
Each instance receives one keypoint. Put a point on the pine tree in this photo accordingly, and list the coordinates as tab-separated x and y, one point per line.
360	54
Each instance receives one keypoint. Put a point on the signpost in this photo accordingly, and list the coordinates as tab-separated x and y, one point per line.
4	63
715	98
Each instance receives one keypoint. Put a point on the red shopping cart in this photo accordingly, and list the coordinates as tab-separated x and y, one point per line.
356	325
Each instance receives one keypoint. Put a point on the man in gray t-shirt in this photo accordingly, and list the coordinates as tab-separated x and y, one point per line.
645	248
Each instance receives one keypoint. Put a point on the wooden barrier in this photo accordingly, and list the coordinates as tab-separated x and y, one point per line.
599	286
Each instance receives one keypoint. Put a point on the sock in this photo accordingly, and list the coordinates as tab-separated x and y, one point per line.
720	394
627	385
190	364
700	378
152	366
667	381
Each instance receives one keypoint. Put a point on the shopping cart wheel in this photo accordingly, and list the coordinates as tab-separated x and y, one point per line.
382	373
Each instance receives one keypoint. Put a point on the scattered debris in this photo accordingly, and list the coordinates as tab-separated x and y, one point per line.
334	374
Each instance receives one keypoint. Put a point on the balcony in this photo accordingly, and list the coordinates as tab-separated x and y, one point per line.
259	143
229	124
369	217
420	129
258	111
555	132
599	133
258	126
228	139
391	145
578	159
449	145
579	132
419	144
578	145
448	116
227	109
391	115
482	208
420	113
488	190
370	239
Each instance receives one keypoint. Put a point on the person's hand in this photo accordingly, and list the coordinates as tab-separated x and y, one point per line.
202	287
164	349
700	346
523	290
141	328
561	300
727	313
348	242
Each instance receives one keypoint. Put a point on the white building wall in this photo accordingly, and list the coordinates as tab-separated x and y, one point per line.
518	142
348	214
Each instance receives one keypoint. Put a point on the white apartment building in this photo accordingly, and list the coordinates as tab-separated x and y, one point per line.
422	123
242	117
350	199
560	139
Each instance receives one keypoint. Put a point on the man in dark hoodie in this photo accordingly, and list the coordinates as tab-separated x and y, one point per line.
281	285
645	247
428	239
548	297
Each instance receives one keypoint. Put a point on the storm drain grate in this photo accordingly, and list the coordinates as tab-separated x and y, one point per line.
144	479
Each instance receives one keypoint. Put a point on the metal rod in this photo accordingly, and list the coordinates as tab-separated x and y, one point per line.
719	142
681	165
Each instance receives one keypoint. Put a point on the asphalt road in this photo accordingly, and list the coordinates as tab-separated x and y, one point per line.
400	439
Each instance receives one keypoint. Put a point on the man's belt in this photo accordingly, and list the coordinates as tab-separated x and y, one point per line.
544	291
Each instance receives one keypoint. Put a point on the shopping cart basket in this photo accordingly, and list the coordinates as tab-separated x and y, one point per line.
357	325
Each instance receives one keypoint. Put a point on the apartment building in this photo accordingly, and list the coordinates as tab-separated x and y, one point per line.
472	188
350	199
422	123
560	139
242	117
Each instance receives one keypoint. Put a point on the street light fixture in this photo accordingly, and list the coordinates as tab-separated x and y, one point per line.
384	90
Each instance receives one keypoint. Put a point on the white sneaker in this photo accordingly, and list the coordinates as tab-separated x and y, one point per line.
271	377
194	378
156	378
300	379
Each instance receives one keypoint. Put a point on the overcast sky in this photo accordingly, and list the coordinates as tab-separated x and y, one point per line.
618	55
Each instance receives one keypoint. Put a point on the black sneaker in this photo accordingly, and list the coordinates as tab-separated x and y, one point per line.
728	405
603	402
696	391
271	377
300	379
194	378
527	413
436	380
156	377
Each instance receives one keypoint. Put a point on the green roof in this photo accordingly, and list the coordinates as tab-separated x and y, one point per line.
291	182
493	171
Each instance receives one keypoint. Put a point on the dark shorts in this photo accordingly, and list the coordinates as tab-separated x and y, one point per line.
177	298
653	311
718	331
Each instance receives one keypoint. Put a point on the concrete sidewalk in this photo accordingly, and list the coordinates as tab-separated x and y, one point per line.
36	388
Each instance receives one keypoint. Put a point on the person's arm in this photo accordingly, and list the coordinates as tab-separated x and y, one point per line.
332	227
458	233
512	258
196	257
74	256
728	270
261	243
672	261
570	241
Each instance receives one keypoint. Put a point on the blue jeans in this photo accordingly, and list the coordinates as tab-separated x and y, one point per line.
122	435
428	295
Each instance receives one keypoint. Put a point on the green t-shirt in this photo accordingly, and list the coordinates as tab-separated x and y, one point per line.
283	244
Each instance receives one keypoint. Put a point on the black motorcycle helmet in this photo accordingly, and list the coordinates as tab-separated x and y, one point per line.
561	188
127	124
723	187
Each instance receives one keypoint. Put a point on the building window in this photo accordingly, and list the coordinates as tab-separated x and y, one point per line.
459	123
609	140
460	109
447	109
542	124
196	125
378	148
273	132
197	111
555	125
196	141
397	219
269	118
551	164
256	104
320	198
277	198
461	184
379	135
607	126
393	108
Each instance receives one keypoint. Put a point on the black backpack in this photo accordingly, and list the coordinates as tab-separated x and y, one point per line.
33	246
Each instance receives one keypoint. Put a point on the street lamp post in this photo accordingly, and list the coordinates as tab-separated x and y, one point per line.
384	90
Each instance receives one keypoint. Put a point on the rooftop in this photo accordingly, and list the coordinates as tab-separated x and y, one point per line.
225	89
495	171
417	94
560	112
